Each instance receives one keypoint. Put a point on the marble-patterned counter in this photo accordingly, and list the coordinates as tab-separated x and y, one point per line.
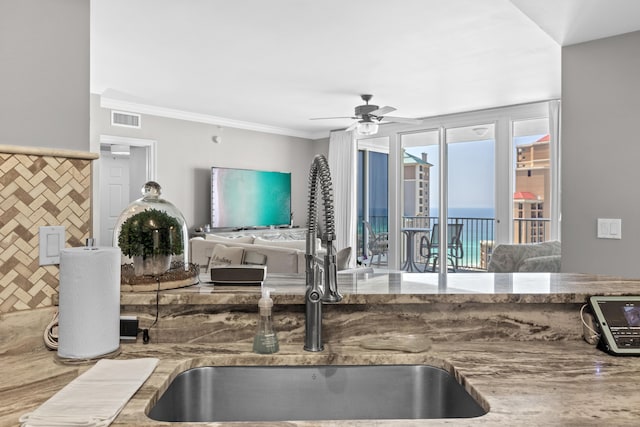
398	288
514	341
565	383
458	307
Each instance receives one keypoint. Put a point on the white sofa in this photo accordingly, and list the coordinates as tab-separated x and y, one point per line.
278	259
281	255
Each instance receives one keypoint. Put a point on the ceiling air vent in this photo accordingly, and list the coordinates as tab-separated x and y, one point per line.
128	120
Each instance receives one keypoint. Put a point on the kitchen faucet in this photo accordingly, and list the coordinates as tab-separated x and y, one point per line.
319	288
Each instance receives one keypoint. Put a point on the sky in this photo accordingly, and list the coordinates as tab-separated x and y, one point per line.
471	172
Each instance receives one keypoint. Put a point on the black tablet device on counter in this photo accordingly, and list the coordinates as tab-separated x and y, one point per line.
618	318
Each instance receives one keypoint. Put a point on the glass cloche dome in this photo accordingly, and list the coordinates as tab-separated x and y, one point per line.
152	234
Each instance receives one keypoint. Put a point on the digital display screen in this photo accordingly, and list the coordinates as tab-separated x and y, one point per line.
619	321
620	314
249	198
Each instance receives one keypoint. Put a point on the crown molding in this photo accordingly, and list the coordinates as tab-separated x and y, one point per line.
134	107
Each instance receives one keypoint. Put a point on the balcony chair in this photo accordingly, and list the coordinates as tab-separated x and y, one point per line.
378	243
429	247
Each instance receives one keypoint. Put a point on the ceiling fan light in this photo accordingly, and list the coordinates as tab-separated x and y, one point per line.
367	128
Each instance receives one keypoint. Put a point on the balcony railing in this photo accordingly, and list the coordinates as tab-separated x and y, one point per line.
477	236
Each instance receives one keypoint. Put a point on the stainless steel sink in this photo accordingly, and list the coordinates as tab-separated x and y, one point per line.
288	393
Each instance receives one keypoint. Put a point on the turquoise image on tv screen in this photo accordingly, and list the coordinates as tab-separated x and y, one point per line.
249	198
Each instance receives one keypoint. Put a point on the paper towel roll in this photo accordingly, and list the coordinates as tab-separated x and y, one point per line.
89	310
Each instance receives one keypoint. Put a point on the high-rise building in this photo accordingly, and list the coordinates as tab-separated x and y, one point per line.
416	185
532	194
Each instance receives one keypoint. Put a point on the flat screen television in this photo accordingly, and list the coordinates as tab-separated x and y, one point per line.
249	198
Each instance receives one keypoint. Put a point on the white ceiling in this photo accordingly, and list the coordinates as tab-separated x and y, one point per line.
270	65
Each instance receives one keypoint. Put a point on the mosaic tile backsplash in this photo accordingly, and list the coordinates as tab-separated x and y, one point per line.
38	190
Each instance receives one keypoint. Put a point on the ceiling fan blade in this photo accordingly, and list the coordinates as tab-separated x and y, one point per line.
327	118
402	120
352	127
382	111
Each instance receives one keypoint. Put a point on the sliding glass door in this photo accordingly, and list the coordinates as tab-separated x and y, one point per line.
531	181
373	198
470	201
470	195
420	189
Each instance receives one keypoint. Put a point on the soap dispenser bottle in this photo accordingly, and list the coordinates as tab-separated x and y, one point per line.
265	341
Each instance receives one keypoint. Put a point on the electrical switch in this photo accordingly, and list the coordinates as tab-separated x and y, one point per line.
52	239
609	228
614	228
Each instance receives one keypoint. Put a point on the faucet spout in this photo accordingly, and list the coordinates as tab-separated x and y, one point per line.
319	288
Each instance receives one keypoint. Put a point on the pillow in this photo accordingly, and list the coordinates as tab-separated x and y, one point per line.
229	240
545	263
223	256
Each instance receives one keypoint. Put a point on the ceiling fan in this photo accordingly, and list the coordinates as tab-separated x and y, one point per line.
368	116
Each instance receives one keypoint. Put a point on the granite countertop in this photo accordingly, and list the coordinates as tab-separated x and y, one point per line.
519	383
403	288
554	383
518	367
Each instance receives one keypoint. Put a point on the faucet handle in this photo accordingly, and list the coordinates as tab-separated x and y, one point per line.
330	291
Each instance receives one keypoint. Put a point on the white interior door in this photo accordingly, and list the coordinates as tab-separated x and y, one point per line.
114	176
117	181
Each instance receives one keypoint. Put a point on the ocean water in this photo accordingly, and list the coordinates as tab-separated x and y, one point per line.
453	212
467	212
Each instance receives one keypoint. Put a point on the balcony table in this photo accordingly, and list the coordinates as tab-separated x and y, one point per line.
410	263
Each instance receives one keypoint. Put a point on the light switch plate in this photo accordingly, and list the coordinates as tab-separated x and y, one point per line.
609	228
52	240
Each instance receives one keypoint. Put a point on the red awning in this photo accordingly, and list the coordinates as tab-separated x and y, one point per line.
524	195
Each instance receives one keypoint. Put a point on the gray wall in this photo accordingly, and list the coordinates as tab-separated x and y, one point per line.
600	152
44	73
186	154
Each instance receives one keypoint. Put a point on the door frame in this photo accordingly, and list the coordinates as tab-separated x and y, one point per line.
151	167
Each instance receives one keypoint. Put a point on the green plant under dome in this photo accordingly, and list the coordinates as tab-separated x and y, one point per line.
150	232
